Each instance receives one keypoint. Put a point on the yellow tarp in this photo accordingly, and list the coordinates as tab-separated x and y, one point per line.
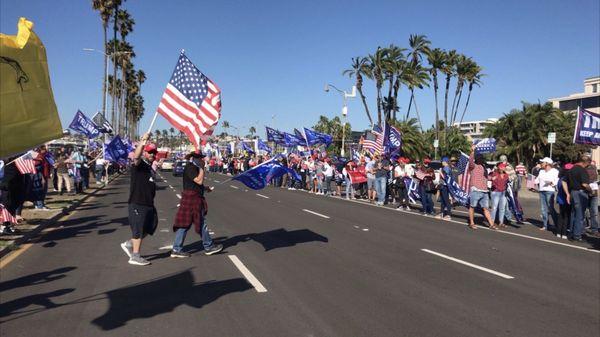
28	115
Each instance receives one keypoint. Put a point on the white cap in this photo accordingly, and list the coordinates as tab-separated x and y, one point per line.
547	160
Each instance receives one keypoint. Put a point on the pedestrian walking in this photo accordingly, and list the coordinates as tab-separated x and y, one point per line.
142	213
193	208
500	180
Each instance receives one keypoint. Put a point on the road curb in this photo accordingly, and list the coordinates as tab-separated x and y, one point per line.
47	222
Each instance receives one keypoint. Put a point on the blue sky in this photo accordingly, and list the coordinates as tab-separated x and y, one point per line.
274	57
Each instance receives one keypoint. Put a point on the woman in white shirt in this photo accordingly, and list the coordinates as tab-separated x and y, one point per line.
546	180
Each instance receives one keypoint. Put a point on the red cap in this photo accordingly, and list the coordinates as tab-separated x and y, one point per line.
150	147
568	166
502	166
426	160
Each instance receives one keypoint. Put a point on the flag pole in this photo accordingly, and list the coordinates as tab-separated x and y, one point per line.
152	122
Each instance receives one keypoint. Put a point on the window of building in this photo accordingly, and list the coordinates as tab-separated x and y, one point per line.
595	87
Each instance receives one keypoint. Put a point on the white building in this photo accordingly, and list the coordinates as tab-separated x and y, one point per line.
474	129
589	99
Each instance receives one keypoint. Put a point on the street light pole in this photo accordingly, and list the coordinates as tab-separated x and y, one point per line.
344	95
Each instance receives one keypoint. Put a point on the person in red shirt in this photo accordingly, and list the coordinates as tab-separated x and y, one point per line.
499	180
478	194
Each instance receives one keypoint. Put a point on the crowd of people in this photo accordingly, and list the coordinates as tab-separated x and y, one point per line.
65	170
568	192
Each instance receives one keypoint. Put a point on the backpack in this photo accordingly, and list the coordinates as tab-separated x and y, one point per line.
429	185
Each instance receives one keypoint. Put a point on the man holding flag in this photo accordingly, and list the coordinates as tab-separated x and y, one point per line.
142	213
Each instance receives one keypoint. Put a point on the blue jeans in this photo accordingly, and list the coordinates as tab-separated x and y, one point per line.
349	189
180	234
445	201
547	205
380	185
99	175
594	214
327	187
498	206
426	200
579	201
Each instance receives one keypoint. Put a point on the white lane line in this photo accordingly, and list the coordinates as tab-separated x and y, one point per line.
262	196
365	229
216	181
171	186
315	213
235	187
247	274
508	277
178	196
166	247
164	230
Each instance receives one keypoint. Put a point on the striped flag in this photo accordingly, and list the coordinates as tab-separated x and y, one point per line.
5	216
373	142
191	102
25	163
463	168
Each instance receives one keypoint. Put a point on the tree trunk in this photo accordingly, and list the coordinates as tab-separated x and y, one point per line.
114	103
412	94
455	115
409	105
446	109
437	114
454	102
466	103
364	101
379	104
396	89
104	88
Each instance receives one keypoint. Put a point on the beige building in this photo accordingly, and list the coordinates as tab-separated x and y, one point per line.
474	129
589	99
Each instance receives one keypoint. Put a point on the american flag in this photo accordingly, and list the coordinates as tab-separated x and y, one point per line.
463	168
5	216
373	142
191	102
25	163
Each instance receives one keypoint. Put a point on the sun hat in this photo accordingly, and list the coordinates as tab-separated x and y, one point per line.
546	160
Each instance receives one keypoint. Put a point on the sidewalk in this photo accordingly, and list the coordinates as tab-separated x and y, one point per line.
36	220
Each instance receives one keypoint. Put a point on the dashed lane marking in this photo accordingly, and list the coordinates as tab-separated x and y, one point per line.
247	274
487	270
178	196
315	213
262	196
234	187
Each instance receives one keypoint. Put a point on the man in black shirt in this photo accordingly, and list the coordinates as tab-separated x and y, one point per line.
578	182
142	214
193	208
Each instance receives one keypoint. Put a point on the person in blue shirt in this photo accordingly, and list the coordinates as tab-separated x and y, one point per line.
445	204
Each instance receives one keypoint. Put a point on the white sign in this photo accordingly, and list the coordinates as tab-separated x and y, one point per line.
436	143
551	137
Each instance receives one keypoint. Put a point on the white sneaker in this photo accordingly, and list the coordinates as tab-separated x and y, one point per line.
138	260
127	248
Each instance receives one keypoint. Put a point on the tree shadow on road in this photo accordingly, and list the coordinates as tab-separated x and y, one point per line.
43	299
160	296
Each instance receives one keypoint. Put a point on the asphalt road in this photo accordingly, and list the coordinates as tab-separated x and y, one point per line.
318	267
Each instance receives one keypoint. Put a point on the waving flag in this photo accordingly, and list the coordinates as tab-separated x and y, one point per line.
5	215
313	137
455	188
300	135
485	145
247	147
102	124
191	101
292	140
463	168
275	136
82	124
25	163
263	146
259	176
392	142
373	142
115	150
587	128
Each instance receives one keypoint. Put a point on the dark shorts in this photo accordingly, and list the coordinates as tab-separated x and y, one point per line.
143	220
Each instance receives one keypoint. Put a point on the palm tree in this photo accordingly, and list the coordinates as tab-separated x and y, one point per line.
463	66
115	7
105	8
374	71
437	61
392	66
252	131
415	76
165	136
358	70
125	26
157	132
419	46
448	70
474	78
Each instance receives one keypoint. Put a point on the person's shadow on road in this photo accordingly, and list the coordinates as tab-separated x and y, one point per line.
163	295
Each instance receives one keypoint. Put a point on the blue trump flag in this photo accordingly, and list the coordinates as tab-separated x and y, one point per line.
392	143
259	176
81	123
275	136
587	128
115	150
313	137
299	135
485	145
292	140
247	147
263	146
